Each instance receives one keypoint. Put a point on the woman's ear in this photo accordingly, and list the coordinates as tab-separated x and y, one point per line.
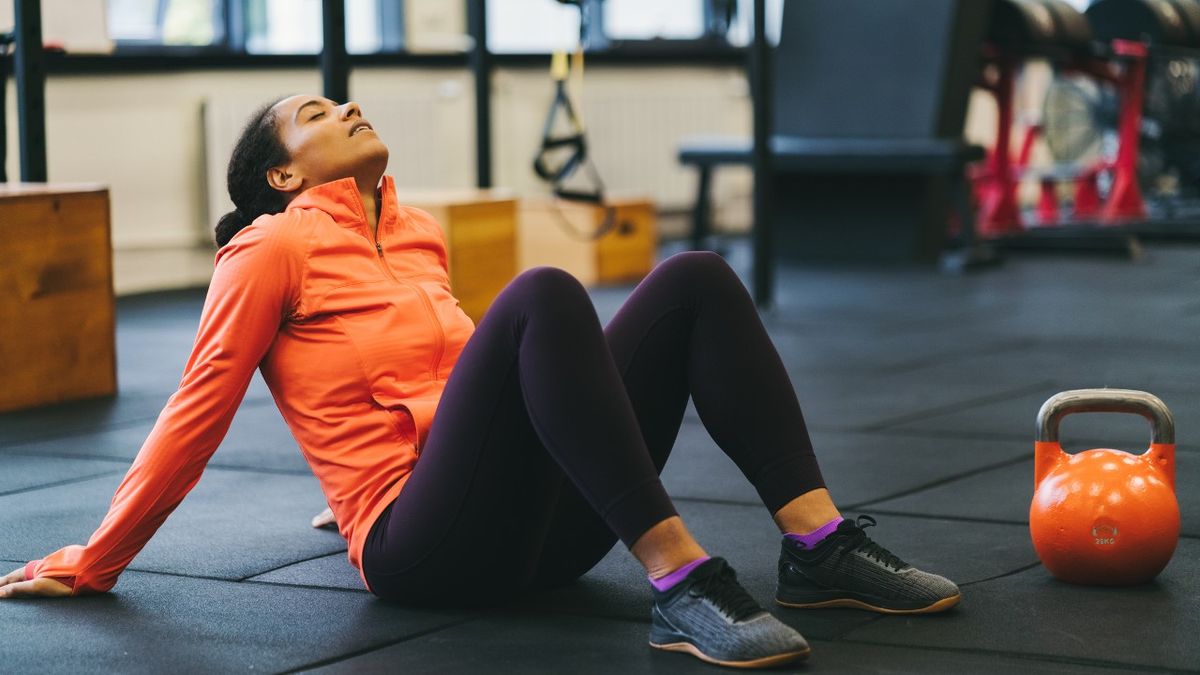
280	178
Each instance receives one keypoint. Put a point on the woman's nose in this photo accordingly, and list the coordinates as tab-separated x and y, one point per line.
350	109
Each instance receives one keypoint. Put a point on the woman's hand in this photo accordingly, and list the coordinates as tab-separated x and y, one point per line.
324	519
14	585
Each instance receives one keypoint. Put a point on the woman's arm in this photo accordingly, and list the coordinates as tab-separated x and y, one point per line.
253	289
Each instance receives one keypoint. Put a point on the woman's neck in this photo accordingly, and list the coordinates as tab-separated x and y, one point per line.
372	202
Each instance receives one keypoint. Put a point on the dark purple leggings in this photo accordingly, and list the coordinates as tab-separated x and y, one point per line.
551	433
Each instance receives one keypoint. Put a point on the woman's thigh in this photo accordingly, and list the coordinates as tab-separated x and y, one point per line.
469	524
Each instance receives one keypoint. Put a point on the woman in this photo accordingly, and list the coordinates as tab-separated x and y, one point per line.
550	432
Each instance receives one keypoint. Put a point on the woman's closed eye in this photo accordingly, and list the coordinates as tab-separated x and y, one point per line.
320	114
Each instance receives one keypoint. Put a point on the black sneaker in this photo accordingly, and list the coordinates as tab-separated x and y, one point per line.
847	569
710	616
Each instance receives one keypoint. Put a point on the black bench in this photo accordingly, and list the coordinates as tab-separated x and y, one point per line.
928	156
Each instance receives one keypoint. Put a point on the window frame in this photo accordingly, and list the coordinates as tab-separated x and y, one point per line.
228	50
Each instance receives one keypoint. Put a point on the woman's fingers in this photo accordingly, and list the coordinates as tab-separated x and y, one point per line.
13	577
46	588
324	519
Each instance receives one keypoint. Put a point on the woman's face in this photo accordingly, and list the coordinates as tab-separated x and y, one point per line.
326	142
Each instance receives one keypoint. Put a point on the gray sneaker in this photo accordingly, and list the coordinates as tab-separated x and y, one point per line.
847	569
710	616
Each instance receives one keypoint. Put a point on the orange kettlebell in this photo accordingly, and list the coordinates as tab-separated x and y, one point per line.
1104	517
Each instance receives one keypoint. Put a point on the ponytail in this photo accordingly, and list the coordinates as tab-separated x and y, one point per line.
230	224
258	150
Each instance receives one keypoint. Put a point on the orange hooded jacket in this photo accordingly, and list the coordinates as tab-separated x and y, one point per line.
355	339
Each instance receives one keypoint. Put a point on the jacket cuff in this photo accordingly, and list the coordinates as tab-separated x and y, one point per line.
31	569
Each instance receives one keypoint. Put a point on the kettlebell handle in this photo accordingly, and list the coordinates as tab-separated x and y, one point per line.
1162	424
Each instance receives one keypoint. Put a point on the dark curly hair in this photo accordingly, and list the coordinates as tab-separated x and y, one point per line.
258	149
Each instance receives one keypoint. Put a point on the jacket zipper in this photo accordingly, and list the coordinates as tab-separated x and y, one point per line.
439	332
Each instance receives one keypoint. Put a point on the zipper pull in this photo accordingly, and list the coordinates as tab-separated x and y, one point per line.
379	249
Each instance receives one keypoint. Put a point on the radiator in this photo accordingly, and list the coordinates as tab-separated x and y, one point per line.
635	121
635	140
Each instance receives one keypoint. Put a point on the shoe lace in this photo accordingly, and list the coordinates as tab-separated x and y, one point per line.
723	590
872	549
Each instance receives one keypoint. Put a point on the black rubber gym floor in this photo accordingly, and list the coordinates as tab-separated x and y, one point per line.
920	389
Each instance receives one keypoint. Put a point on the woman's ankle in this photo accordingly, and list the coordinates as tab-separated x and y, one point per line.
807	512
666	547
666	581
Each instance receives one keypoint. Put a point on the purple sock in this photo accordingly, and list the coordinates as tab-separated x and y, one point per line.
818	535
677	576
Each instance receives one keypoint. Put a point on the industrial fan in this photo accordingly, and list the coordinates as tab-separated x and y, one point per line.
1080	121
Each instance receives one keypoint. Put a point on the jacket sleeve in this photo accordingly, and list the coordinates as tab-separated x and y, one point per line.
254	286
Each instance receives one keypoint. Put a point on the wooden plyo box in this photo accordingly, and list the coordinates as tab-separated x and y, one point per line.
481	232
557	233
57	333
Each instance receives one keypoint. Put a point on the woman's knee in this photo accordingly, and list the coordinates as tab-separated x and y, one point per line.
548	282
697	269
541	289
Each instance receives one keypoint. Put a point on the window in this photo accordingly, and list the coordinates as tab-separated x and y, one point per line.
268	26
283	26
641	20
373	26
164	22
540	26
363	26
531	26
742	29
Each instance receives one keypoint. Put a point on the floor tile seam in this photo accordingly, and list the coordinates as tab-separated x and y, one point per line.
1001	346
963	519
716	501
250	580
308	587
946	480
180	575
67	481
241	468
206	577
1024	568
6	452
1078	344
229	580
294	562
973	402
73	433
377	647
928	433
1026	656
868	620
977	436
781	318
935	516
115	426
118	426
129	460
619	618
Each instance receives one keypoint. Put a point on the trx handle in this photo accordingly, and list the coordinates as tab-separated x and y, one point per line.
550	143
573	145
1149	406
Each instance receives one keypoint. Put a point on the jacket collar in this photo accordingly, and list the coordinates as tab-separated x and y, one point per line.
341	200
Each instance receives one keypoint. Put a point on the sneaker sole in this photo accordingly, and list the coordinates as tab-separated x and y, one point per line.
939	606
764	662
